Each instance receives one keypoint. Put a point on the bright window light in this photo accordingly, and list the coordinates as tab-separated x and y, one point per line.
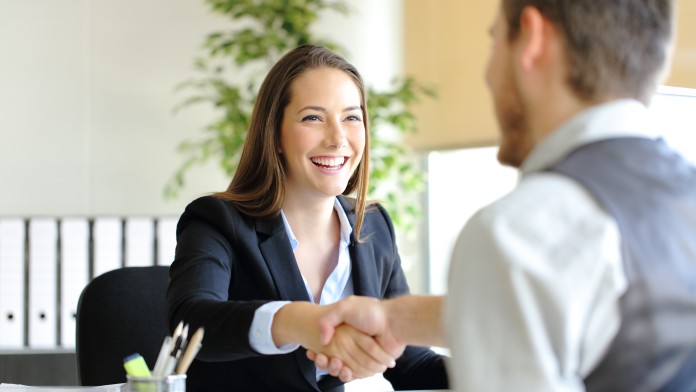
460	182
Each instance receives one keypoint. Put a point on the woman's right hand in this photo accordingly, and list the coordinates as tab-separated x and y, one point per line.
360	354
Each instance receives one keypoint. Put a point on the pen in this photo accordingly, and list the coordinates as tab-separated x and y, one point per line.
184	339
162	357
167	347
193	347
178	330
175	353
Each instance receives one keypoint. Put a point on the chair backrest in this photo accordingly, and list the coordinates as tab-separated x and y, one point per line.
119	313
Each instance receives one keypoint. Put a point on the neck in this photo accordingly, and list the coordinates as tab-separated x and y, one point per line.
549	114
309	218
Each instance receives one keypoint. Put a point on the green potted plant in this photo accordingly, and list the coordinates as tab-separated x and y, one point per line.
267	29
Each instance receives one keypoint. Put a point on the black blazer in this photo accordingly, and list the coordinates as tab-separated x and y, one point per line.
229	264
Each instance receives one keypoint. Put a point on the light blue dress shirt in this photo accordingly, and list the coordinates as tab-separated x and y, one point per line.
337	286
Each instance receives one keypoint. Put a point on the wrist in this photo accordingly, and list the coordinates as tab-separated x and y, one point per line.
416	319
292	323
394	319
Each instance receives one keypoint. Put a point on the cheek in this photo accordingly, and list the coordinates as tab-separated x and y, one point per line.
282	137
357	140
361	143
490	72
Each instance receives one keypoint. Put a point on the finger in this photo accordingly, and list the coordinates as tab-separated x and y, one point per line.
335	366
327	325
367	363
311	355
346	375
321	361
373	348
349	343
326	332
391	346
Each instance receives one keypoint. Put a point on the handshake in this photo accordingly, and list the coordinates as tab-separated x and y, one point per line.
360	336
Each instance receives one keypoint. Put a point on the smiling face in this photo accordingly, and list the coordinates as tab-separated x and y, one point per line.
322	135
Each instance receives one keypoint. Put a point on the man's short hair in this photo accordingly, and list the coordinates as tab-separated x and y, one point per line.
614	47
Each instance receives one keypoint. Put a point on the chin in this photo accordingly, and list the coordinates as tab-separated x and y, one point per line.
333	191
509	156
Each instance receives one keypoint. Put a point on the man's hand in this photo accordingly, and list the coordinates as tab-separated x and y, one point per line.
360	354
412	319
363	313
366	314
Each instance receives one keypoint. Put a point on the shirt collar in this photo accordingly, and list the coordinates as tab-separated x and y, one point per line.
621	118
346	228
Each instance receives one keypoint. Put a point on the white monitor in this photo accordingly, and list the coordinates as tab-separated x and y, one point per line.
675	109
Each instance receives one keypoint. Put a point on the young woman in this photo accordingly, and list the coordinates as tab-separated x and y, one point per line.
255	264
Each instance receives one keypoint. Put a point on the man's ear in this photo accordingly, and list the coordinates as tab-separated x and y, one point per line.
533	37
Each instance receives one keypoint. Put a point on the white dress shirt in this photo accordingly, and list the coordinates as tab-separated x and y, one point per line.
337	286
535	278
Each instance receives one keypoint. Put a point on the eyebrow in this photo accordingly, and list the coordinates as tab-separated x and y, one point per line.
321	109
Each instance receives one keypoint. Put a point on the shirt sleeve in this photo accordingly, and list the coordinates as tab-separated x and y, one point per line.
534	285
260	337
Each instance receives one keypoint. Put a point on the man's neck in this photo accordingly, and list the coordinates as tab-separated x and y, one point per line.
558	110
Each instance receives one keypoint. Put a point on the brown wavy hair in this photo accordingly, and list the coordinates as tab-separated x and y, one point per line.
258	185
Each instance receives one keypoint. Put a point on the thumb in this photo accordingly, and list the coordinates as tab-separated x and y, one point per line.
327	325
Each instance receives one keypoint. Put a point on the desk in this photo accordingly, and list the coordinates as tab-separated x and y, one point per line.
38	367
27	388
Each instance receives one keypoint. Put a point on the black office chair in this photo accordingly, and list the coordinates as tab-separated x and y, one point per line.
119	313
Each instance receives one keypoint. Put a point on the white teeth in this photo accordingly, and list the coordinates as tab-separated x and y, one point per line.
330	162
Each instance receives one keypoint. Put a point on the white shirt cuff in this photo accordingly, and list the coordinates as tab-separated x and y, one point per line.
260	337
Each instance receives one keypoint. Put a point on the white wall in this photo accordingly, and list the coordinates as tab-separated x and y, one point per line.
86	98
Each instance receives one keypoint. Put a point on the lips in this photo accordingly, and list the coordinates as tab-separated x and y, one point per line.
331	163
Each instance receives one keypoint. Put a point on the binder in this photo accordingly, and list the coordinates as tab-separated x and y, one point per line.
74	274
108	235
12	306
166	240
140	241
43	281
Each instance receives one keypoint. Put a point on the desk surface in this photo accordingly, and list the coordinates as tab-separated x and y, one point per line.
27	388
104	388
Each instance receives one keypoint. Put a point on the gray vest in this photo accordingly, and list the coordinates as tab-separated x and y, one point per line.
651	192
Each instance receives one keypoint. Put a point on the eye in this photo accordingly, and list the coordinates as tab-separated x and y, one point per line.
353	117
311	117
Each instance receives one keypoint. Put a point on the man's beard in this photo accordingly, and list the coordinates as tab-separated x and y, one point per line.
514	143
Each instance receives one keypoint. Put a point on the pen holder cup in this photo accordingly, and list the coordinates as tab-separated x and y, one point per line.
175	383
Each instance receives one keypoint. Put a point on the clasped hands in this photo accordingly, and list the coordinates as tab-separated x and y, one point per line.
357	340
351	338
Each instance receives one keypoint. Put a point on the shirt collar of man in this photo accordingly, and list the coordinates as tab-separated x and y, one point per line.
620	118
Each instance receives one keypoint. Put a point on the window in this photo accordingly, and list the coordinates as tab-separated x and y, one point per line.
463	181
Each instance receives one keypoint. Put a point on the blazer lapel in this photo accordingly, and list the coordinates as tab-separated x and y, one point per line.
280	259
365	275
364	266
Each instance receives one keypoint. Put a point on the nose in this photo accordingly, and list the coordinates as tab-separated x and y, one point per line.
336	135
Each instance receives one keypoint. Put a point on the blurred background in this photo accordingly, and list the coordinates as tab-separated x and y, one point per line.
89	136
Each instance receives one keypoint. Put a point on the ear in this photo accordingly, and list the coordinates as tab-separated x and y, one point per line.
534	35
